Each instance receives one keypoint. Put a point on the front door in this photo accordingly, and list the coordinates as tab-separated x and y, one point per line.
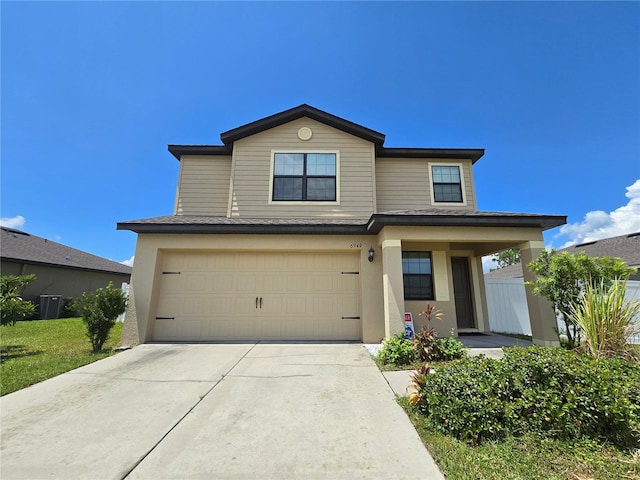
462	292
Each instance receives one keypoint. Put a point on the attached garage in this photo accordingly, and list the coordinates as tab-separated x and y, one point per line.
223	296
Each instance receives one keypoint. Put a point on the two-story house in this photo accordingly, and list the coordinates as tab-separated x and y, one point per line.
304	226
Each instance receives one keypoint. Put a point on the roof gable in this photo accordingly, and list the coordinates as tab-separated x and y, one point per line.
326	118
295	113
22	247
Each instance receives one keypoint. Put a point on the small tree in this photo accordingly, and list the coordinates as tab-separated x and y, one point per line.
12	307
562	278
100	311
511	256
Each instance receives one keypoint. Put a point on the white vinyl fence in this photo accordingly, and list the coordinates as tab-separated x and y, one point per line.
507	305
125	288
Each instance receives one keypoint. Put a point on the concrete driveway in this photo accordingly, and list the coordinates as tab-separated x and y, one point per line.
214	411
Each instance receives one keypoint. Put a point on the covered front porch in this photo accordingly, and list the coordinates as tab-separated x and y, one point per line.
442	265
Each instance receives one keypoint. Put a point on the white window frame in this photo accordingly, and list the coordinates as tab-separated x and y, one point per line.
462	185
303	202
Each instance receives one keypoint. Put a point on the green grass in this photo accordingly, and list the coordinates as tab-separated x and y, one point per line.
524	458
33	351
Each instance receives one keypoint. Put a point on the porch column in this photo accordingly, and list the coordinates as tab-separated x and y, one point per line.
541	314
393	287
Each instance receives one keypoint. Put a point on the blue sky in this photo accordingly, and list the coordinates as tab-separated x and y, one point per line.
92	93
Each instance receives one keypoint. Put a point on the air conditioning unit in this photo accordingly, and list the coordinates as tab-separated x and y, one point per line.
50	306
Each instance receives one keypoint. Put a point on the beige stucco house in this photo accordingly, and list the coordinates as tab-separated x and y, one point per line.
304	226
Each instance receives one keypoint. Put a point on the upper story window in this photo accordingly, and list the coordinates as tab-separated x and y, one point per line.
304	177
447	184
417	276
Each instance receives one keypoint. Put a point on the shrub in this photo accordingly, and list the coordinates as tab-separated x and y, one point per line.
12	307
554	392
100	311
70	308
606	319
429	347
447	348
397	350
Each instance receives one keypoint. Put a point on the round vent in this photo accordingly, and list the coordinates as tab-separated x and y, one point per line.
305	133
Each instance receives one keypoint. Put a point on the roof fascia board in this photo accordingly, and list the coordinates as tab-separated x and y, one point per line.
295	113
450	153
372	227
246	229
545	222
179	150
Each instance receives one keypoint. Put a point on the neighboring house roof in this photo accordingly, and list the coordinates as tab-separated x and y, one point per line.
21	247
305	110
371	226
625	247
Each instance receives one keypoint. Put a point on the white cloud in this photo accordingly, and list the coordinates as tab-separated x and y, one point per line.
129	262
488	264
598	224
13	222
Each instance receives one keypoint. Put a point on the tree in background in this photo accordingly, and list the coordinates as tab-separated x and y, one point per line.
511	256
563	277
12	307
100	310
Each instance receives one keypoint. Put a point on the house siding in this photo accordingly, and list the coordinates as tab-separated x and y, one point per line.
404	184
203	187
252	171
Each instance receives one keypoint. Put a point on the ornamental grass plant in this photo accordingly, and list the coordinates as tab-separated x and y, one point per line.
607	320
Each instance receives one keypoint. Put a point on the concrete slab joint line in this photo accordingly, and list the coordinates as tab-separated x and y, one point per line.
200	399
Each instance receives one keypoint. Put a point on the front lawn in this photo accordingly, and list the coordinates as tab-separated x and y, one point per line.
33	351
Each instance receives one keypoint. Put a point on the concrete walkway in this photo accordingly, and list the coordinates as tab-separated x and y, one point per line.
488	344
235	411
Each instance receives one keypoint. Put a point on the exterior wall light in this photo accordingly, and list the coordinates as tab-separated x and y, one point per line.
371	254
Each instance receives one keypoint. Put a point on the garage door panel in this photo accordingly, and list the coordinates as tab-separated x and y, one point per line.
271	305
272	329
297	283
246	282
349	328
324	304
171	283
220	305
170	305
196	282
221	282
324	282
194	305
348	303
274	282
304	296
348	283
195	262
244	304
295	305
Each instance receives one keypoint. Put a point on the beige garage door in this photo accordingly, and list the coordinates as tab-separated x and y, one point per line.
269	296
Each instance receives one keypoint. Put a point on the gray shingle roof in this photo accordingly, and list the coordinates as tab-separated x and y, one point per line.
626	247
330	225
19	246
